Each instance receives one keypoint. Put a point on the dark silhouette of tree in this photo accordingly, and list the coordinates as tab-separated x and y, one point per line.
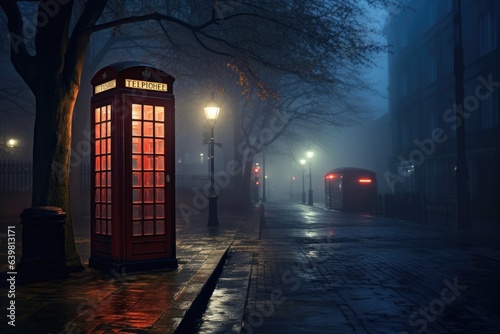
49	39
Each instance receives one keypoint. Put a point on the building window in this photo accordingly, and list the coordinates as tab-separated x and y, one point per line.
489	112
404	36
432	67
431	14
404	85
487	32
448	55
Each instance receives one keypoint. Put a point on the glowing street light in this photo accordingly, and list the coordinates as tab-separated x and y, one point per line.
212	113
11	142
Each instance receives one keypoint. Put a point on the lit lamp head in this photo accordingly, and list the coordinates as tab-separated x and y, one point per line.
309	154
212	110
303	162
11	142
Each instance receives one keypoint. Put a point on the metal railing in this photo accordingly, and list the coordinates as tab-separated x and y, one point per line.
15	176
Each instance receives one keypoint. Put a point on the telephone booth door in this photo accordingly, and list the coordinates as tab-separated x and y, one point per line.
133	183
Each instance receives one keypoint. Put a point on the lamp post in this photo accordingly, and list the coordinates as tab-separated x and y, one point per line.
309	156
264	199
212	112
303	162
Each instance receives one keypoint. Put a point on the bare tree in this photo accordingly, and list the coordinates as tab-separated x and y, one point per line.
49	39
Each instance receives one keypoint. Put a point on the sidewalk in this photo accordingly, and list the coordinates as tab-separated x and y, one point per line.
146	302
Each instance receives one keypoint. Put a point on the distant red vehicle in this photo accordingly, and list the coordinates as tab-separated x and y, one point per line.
351	189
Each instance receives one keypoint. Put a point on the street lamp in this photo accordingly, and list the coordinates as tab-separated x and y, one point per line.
303	162
212	112
309	156
11	142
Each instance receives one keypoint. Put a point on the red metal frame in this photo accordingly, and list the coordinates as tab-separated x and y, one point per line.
121	249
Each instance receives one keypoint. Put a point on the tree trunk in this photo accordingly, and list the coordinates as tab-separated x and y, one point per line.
52	151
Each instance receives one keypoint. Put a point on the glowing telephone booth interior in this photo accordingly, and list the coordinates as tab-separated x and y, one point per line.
133	170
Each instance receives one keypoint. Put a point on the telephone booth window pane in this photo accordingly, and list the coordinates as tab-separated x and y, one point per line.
160	146
97	179
108	145
148	162
137	195
97	163
103	162
159	113
103	146
148	195
159	130
136	128
148	179
109	227
103	211
109	211
97	115
160	211
98	226
136	179
136	145
160	163
136	162
109	112
98	130
103	194
136	111
148	145
148	129
136	228
108	129
160	227
148	211
148	112
160	179
103	114
108	198
103	179
148	227
109	163
109	179
97	147
98	195
136	212
103	130
98	210
160	195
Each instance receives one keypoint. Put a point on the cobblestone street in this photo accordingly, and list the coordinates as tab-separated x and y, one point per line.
319	271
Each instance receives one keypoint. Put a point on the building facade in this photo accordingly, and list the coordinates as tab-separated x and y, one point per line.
421	101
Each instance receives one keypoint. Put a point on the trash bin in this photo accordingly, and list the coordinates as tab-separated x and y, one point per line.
43	255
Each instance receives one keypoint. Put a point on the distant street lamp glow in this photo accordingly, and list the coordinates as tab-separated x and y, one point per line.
11	142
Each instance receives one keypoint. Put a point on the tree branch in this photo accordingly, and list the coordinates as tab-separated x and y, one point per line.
21	59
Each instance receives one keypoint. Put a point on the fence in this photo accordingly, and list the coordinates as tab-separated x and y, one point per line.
417	208
15	176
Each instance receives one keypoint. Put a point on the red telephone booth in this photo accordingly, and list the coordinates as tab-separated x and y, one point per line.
133	169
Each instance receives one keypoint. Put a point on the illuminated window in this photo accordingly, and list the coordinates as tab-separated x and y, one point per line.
102	151
148	170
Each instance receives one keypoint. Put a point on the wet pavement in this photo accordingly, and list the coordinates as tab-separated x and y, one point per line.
146	302
298	269
318	271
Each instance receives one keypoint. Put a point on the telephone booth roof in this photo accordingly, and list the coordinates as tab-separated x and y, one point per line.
132	70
